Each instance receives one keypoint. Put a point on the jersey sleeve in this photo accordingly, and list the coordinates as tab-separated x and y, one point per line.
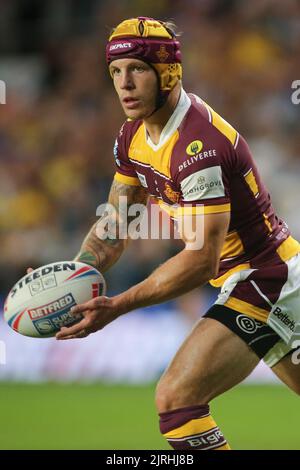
125	172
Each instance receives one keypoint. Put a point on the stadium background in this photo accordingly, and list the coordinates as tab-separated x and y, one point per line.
57	131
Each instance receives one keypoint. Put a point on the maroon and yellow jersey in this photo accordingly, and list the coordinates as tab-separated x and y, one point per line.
203	162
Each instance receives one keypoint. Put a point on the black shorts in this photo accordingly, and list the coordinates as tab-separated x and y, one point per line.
258	335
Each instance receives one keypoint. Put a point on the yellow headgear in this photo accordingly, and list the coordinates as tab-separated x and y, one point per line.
151	41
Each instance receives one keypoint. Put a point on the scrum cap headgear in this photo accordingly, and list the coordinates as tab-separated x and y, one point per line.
153	42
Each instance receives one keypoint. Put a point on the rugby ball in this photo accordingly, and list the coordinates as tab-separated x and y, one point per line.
39	304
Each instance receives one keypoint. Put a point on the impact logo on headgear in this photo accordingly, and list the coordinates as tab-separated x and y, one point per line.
120	45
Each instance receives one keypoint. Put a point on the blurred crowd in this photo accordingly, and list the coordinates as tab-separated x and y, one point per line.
61	116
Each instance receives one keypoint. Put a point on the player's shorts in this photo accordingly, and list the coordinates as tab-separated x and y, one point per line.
247	299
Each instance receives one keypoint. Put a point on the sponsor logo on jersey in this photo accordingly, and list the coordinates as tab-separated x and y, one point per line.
284	318
121	45
171	194
247	324
194	147
162	54
196	158
203	184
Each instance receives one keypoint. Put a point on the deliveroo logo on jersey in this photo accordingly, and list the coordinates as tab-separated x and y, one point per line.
194	147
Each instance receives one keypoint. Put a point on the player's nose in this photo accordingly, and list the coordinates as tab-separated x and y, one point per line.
126	82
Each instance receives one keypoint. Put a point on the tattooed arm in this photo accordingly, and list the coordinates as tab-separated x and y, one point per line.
102	249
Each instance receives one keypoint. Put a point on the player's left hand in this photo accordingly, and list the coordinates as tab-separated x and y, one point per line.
97	313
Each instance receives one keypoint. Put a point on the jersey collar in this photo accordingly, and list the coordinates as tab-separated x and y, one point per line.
173	123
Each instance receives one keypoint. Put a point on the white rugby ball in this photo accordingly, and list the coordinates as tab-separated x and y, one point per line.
39	304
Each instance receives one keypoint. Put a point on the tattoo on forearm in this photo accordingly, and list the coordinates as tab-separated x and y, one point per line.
134	194
102	248
88	258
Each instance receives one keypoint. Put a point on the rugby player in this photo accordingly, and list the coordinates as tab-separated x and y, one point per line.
177	149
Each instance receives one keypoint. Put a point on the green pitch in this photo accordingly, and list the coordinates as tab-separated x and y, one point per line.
77	416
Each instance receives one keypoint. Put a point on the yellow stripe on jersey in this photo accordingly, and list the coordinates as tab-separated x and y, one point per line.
183	210
130	180
248	309
160	159
267	222
219	281
289	248
251	181
233	246
197	210
223	126
195	426
217	209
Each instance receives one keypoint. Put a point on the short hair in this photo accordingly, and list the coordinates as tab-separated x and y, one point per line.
172	28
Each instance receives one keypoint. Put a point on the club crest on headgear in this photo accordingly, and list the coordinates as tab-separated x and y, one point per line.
151	41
